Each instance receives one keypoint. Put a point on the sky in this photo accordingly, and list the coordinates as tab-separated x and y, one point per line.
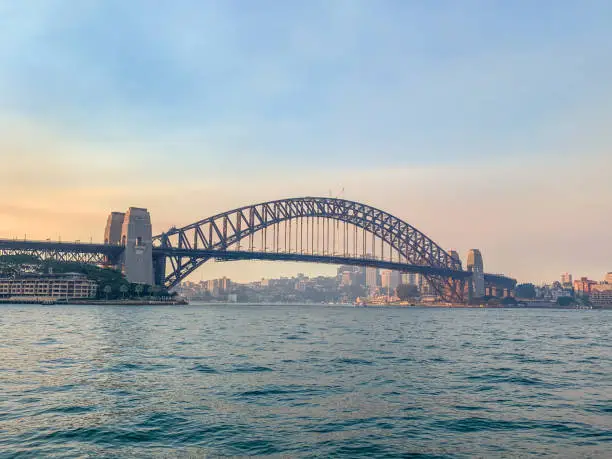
484	124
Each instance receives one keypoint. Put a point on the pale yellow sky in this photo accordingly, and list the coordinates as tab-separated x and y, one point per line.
532	219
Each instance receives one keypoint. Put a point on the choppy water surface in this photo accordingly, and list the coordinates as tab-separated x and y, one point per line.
304	381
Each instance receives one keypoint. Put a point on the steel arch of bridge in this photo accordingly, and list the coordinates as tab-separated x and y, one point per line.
224	231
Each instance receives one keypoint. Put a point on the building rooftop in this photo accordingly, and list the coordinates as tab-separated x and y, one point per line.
47	276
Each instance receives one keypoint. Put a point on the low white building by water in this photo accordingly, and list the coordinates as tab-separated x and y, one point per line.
63	286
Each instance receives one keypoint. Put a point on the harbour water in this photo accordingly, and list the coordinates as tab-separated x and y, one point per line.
304	381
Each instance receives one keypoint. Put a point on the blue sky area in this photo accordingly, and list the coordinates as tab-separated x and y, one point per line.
334	81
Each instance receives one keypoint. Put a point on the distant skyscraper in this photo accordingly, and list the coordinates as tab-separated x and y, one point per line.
346	279
360	276
389	279
566	278
395	280
424	286
608	278
410	278
351	275
372	278
475	265
385	275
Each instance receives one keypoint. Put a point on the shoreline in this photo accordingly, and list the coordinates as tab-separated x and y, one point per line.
184	302
478	306
397	305
54	302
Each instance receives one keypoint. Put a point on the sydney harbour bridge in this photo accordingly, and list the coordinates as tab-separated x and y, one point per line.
306	229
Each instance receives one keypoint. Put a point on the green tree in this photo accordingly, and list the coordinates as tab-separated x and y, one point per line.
525	291
20	259
353	291
138	289
107	291
583	298
565	300
123	289
407	291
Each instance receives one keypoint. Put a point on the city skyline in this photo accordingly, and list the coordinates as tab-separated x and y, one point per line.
435	115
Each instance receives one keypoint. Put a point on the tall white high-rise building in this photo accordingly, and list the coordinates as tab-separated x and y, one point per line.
389	279
409	278
372	278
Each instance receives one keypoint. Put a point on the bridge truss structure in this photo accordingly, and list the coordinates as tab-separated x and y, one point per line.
69	252
308	229
315	229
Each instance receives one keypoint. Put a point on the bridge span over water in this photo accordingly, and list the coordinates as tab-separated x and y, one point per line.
307	229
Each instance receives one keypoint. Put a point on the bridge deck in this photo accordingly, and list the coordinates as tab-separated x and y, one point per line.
231	255
113	251
76	247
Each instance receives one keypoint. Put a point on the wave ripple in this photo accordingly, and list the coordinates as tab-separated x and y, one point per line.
303	381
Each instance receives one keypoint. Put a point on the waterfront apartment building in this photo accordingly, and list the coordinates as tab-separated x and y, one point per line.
61	286
601	287
602	297
372	278
584	285
217	286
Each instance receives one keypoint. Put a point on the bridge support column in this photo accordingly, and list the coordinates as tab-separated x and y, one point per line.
159	270
136	238
112	236
470	289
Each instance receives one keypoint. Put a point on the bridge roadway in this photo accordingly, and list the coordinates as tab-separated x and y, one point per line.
66	246
95	253
79	252
232	255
